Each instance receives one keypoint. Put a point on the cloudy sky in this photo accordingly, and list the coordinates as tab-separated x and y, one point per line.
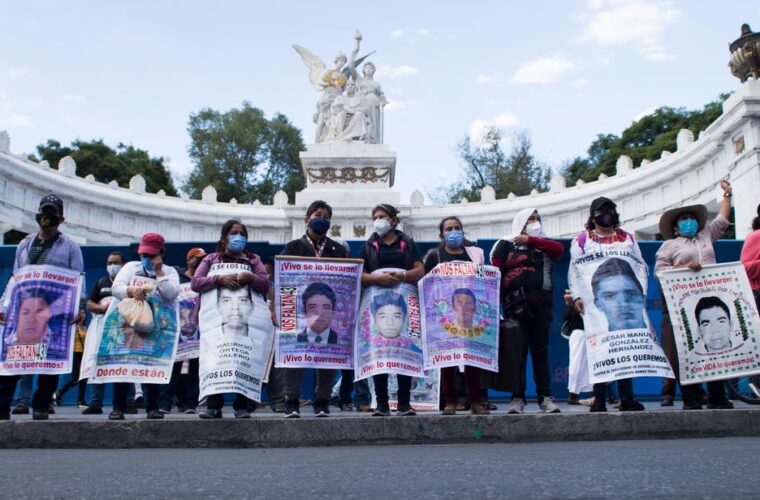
562	70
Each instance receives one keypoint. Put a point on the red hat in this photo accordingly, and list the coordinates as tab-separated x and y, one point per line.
195	252
151	244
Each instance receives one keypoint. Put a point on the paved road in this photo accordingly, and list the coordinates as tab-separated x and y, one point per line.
703	468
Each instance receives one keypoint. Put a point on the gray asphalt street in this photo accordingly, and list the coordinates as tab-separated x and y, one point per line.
695	468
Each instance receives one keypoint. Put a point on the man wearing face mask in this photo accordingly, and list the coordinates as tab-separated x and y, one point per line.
49	247
314	243
525	259
689	239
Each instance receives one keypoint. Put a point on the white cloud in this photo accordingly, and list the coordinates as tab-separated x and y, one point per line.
16	72
544	70
484	79
646	112
580	83
640	23
396	71
397	34
74	97
8	118
478	127
423	32
396	104
411	36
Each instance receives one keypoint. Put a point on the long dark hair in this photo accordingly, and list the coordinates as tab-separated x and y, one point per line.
221	245
756	220
465	241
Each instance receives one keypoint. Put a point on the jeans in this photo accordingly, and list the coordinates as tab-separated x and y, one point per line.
448	384
404	388
121	392
96	395
294	378
360	389
536	340
25	386
184	401
43	396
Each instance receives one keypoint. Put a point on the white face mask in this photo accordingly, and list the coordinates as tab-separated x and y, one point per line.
382	226
533	229
113	270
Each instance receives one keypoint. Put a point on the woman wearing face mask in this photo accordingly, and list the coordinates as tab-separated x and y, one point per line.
603	232
150	265
689	239
455	247
388	247
230	249
525	260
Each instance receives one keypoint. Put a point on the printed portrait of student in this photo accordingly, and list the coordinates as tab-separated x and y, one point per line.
151	265
388	247
454	246
689	244
389	314
714	323
619	295
319	306
33	320
314	243
48	246
233	297
603	232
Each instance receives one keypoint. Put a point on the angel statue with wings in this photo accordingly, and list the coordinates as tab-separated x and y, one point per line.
353	115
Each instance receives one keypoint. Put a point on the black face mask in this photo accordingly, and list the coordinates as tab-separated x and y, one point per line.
605	219
46	219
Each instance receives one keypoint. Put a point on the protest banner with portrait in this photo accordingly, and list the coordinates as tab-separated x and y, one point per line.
92	341
620	340
425	393
715	322
236	337
460	316
316	302
138	341
389	331
189	333
40	310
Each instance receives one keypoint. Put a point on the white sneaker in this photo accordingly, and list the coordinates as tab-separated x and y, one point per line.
516	407
548	405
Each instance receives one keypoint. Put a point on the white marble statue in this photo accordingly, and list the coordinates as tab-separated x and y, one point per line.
349	119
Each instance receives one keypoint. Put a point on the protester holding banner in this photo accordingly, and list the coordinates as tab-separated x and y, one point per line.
189	341
454	247
751	257
390	248
50	247
525	259
252	278
602	237
314	243
689	239
124	342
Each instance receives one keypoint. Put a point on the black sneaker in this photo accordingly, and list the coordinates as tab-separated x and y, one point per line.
39	415
322	407
631	405
92	410
210	414
405	410
116	415
346	407
382	410
292	408
666	401
20	410
155	415
242	413
719	404
598	406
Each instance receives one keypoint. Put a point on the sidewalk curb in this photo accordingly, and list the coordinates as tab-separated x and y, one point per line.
365	430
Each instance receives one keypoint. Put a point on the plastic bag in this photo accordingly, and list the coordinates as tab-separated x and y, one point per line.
137	314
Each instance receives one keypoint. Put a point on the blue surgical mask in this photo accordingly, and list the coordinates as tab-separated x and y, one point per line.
688	228
236	243
453	238
319	225
147	263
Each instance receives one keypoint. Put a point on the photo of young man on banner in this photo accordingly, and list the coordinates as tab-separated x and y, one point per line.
189	333
389	331
236	337
460	320
425	392
620	339
316	303
715	322
38	334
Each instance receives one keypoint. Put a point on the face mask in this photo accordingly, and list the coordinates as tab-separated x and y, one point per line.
113	270
453	238
688	228
605	219
319	225
147	263
47	220
382	226
236	243
533	229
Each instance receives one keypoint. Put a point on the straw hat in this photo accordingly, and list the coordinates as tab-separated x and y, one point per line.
668	219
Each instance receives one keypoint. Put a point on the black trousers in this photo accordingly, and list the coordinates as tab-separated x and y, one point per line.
82	384
43	396
404	388
150	391
216	402
625	390
186	399
536	340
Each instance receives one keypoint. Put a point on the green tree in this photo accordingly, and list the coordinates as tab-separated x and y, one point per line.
244	155
107	164
644	139
487	163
